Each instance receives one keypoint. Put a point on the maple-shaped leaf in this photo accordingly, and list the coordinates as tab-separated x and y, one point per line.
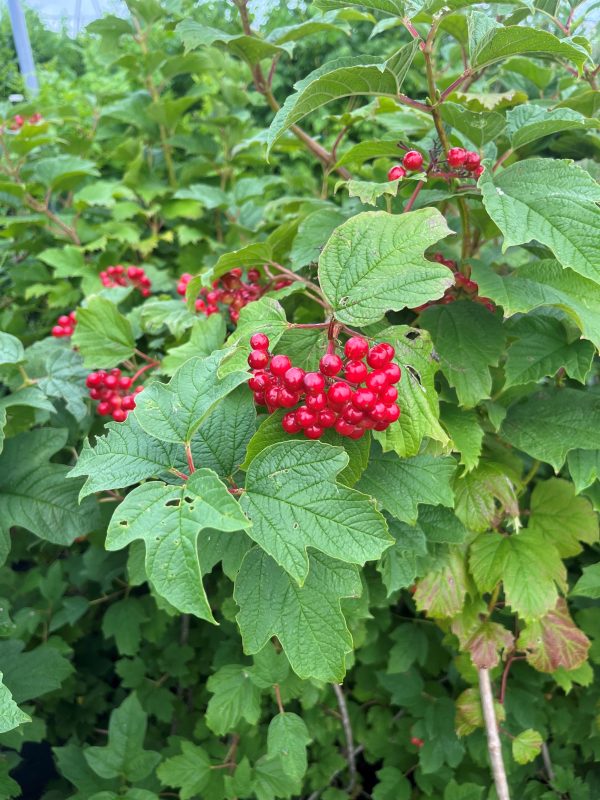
527	746
562	517
554	641
307	620
441	593
469	712
483	639
295	503
169	520
484	495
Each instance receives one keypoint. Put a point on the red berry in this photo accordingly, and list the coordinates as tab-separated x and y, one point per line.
253	275
417	742
64	319
377	380
289	424
115	371
258	382
314	382
138	389
355	372
96	394
392	412
115	400
479	171
58	331
128	402
330	364
396	173
363	399
356	433
413	160
272	396
378	356
104	408
353	415
93	379
381	426
237	272
125	382
259	398
287	399
279	365
119	415
313	432
305	417
378	412
456	156
472	161
344	428
339	393
326	418
293	377
111	381
316	402
258	359
389	394
356	348
259	341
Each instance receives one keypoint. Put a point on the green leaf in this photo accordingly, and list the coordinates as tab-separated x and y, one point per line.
209	196
235	697
173	412
38	496
307	619
479	128
155	315
103	335
61	171
584	468
374	263
11	349
392	7
251	48
67	261
365	151
484	495
124	456
313	232
542	347
441	593
59	373
288	737
553	202
206	335
500	43
554	641
549	423
528	566
466	432
34	673
588	584
295	503
169	519
124	755
293	33
400	485
369	192
190	771
469	340
545	283
352	76
123	620
528	123
265	315
527	746
561	517
11	715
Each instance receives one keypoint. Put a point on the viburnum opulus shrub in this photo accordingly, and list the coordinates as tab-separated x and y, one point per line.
300	411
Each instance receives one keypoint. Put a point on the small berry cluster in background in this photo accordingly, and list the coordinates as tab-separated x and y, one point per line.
463	288
463	163
113	391
467	160
65	325
412	162
18	121
344	394
230	290
127	276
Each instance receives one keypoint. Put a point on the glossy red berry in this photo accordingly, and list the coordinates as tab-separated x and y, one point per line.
344	428
377	380
353	415
417	742
58	331
128	402
280	365
259	398
305	417
119	415
379	356
272	396
389	394
392	412
479	171
363	399
393	372
111	381
93	380
316	402
259	382
330	364
339	393
326	418
258	359
356	371
103	408
456	156
313	432
125	382
293	377
378	411
314	382
396	173
253	275
289	424
357	433
472	161
413	160
287	398
356	348
259	341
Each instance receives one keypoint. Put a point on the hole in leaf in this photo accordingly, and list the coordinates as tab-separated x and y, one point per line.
175	502
412	335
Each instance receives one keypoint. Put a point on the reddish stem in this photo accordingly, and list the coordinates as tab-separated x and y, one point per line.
413	197
503	683
454	85
190	458
278	697
179	474
152	361
141	371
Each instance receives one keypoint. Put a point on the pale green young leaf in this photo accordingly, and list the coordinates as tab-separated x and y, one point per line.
545	283
189	772
550	201
11	349
499	43
173	412
265	315
252	255
11	715
396	8
466	432
401	484
251	48
103	335
542	347
295	502
528	123
206	335
234	697
124	755
125	455
156	315
479	128
527	746
584	468
169	520
469	340
549	423
561	517
374	263
369	192
293	33
441	593
588	584
307	619
288	737
554	641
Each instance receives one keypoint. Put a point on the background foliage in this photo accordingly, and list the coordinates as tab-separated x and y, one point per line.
161	143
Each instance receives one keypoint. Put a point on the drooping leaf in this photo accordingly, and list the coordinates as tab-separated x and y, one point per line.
306	619
554	641
374	263
32	673
584	468
483	640
169	520
294	502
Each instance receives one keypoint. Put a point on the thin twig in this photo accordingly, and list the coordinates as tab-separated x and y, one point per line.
411	200
277	691
493	738
547	762
346	725
317	793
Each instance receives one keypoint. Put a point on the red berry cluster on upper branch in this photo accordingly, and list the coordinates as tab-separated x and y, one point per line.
65	325
462	163
113	391
344	394
464	288
127	276
230	290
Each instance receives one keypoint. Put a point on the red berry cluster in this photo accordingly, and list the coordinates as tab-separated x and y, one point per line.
112	389
417	742
463	288
65	325
360	400
127	276
461	159
230	290
18	121
412	162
